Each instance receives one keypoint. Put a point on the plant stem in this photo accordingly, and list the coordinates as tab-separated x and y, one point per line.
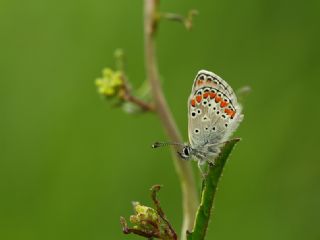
208	193
184	170
127	96
154	190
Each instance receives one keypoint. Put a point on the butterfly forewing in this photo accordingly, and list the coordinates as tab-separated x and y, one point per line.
213	113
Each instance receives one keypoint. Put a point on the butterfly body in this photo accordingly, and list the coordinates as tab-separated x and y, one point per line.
213	115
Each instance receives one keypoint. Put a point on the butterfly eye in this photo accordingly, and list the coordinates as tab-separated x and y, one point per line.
186	151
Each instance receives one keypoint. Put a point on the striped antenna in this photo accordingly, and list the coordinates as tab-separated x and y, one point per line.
164	144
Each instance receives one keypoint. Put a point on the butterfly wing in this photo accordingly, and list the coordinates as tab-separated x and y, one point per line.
214	114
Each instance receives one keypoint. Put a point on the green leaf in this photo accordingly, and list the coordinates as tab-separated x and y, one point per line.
208	192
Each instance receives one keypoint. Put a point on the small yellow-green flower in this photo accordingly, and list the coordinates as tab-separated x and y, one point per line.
149	223
110	83
144	216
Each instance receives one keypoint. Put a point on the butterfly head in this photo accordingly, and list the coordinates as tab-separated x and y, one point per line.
186	152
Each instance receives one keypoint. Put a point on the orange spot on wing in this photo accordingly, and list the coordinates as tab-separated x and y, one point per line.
212	95
199	82
205	95
223	104
230	112
199	98
193	102
218	99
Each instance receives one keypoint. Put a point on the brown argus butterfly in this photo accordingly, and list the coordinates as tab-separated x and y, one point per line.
213	115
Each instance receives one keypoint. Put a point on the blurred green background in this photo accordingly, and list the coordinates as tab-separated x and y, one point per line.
70	164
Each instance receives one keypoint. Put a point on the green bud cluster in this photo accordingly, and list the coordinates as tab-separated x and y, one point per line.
110	84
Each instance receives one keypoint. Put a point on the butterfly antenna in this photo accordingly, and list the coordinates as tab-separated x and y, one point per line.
164	144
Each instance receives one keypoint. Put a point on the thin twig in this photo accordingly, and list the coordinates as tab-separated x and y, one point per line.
154	190
127	230
126	93
143	105
188	186
186	21
127	96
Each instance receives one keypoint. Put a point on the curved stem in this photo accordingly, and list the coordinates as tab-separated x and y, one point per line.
208	192
188	186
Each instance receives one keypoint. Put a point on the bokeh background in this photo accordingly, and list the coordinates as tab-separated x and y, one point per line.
70	164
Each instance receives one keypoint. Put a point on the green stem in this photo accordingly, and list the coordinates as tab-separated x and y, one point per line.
208	192
184	170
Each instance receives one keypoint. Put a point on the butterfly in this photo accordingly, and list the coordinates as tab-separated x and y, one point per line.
213	115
